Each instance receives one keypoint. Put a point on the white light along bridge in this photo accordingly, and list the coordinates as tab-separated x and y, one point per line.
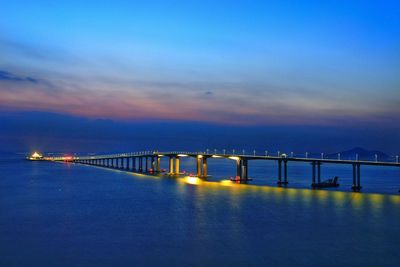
150	162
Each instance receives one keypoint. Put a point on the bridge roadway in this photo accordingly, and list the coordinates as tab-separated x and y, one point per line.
150	162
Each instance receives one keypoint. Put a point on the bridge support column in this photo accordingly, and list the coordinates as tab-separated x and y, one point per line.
356	177
171	165
128	164
313	173
244	176
146	167
134	164
238	170
198	166
279	171
158	164
153	164
140	164
319	172
285	181
204	167
177	160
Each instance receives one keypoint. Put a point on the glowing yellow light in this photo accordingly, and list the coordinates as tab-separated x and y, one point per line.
161	155
192	180
36	155
182	155
234	158
215	156
226	182
199	156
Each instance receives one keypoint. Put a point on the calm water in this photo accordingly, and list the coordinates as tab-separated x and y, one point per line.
54	214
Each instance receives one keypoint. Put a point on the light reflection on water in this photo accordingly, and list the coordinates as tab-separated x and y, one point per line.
72	215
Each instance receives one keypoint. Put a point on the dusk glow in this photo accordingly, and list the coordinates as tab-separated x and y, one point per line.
242	63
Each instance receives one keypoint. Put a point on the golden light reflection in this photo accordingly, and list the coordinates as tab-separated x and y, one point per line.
226	183
192	180
234	158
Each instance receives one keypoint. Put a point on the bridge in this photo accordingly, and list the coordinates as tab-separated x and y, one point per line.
150	162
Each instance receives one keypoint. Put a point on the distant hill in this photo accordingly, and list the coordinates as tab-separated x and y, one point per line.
363	154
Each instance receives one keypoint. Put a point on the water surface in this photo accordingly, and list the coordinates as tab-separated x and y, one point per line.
56	214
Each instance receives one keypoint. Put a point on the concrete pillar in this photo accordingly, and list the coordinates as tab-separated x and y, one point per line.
319	172
177	171
153	164
354	186
238	169
313	173
158	164
140	164
128	164
147	164
171	165
204	167
134	164
244	170
198	166
285	173
358	177
279	171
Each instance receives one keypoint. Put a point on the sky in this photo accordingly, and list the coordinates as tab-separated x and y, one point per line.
292	71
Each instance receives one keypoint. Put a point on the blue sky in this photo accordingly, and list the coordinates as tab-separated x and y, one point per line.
332	64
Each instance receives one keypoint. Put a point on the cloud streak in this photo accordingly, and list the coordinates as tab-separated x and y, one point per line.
10	77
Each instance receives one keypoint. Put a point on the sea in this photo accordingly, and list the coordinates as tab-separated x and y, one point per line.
66	214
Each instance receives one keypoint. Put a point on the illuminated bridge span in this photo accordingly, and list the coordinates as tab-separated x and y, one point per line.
150	162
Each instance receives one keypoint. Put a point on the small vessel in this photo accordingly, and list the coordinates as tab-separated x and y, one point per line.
328	183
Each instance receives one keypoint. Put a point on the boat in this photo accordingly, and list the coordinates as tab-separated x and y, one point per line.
328	183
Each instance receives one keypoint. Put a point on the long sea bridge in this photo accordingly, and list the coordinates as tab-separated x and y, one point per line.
150	162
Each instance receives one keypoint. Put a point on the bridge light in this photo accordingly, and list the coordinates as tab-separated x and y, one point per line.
182	155
235	158
215	156
199	156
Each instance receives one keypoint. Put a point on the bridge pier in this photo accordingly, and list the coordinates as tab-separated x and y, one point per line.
204	167
153	164
171	165
177	160
158	164
244	174
198	166
134	164
146	168
356	177
140	164
285	173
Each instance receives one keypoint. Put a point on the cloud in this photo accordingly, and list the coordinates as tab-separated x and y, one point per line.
7	76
